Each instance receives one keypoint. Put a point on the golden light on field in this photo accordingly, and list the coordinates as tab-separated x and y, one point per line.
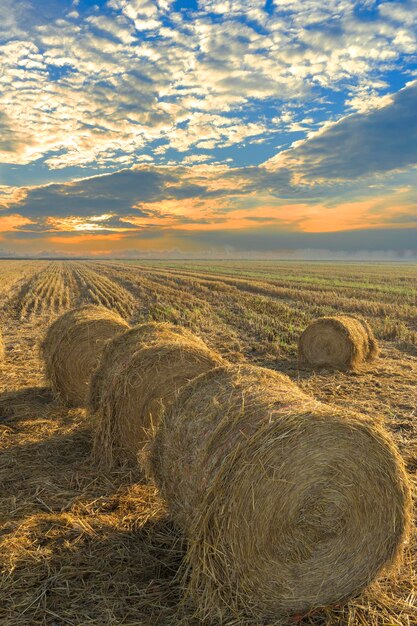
242	174
71	522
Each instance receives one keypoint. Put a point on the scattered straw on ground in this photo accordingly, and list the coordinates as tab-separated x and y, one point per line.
85	547
2	348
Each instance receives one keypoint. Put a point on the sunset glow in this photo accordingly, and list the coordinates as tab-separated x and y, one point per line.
178	128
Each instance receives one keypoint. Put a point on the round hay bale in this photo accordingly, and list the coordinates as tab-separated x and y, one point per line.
135	391
287	504
123	346
343	342
72	349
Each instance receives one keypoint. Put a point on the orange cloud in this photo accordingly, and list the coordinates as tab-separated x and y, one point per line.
11	222
375	213
80	239
236	213
97	244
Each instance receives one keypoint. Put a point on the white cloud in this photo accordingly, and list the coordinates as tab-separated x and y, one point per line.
195	158
95	89
379	140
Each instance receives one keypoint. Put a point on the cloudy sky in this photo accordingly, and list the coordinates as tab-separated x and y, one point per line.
208	128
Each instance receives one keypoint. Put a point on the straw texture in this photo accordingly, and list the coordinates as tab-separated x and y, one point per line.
343	342
123	346
287	503
131	390
72	349
2	348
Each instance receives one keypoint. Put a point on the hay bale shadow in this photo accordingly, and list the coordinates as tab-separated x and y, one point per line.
22	402
79	545
293	369
54	472
73	571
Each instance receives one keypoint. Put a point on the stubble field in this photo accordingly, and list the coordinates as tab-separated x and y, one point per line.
83	546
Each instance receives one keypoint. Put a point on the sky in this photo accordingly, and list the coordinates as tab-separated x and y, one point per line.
215	128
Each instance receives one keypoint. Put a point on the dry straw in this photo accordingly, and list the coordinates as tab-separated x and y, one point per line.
2	348
73	346
140	373
287	504
123	346
343	342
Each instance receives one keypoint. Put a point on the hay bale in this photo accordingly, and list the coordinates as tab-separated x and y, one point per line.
72	349
287	504
123	346
343	342
135	389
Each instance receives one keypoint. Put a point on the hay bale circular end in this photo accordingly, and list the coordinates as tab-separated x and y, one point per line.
342	342
72	348
137	388
287	504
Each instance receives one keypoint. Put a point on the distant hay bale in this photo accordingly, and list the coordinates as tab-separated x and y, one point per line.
72	349
135	389
287	504
123	346
343	342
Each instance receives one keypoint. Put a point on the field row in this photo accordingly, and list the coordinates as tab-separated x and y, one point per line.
13	274
382	280
261	315
262	309
53	287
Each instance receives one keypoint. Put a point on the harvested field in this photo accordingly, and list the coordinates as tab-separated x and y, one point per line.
88	546
16	273
97	288
50	291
